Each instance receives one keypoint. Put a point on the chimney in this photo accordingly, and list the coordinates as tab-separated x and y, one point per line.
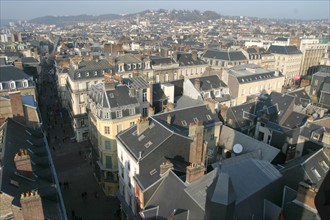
210	104
194	55
109	82
151	111
197	153
165	166
150	94
169	119
197	84
23	164
32	206
142	125
223	112
306	194
17	106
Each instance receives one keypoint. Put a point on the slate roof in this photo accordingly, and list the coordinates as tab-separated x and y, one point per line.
116	98
26	100
90	69
29	60
301	97
186	59
136	82
8	73
209	82
279	108
281	39
277	49
247	73
224	55
16	138
229	137
156	60
127	58
316	167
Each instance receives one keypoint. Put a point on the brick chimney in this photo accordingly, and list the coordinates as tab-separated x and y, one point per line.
109	82
194	55
17	106
23	164
197	84
197	153
306	194
32	206
165	166
142	125
211	104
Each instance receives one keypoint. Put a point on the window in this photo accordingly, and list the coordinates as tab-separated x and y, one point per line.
166	77
324	166
87	74
128	165
132	111
144	112
12	85
0	86
217	93
81	98
106	129
119	114
25	83
157	78
208	117
78	74
95	73
119	128
144	97
184	123
87	85
107	145
316	174
107	115
108	162
175	76
242	92
212	137
132	123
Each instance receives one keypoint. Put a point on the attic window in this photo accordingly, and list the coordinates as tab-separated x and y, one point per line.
87	74
324	166
208	117
78	74
184	123
152	172
12	85
195	119
147	145
95	73
315	136
141	137
316	174
25	84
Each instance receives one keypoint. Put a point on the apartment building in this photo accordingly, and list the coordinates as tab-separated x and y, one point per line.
143	148
112	108
287	60
313	52
249	80
78	84
220	59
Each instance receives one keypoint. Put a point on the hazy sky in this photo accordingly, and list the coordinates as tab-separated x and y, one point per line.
262	8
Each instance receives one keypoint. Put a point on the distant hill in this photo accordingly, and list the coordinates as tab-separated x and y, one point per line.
73	19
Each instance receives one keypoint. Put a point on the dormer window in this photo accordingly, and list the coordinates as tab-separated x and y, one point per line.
134	66
129	66
25	83
139	65
78	74
95	73
315	136
87	74
0	86
12	85
102	72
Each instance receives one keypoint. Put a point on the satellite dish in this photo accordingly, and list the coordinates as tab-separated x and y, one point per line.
238	148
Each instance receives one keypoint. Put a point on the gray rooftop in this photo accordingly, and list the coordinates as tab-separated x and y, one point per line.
225	55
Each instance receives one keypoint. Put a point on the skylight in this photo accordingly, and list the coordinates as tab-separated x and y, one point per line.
152	172
141	137
147	145
208	117
195	119
184	123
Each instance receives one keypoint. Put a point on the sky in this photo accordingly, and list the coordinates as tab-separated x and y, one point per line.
292	9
